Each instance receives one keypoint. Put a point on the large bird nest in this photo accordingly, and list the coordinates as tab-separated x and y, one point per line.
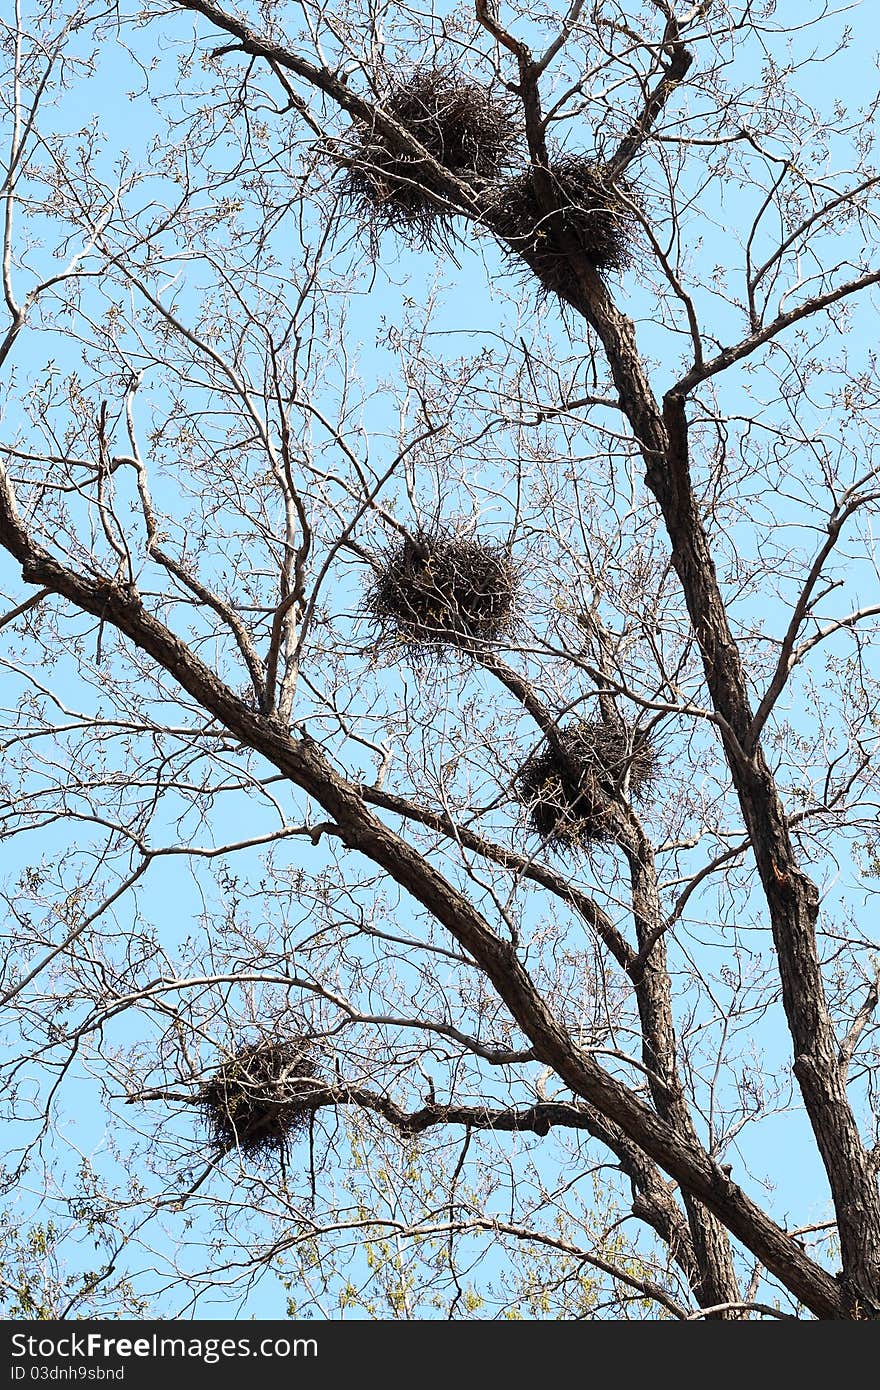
465	127
595	220
436	590
569	795
256	1100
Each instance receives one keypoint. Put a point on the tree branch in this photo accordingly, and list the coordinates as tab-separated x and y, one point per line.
738	351
305	764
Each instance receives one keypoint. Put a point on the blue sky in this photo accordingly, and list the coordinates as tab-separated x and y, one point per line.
477	293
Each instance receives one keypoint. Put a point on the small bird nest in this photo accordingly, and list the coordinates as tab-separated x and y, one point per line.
437	590
570	798
594	217
256	1100
463	126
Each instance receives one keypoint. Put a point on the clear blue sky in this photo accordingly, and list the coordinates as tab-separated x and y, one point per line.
172	899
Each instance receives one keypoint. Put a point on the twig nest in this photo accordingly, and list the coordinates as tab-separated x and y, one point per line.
462	125
436	590
594	217
256	1100
569	798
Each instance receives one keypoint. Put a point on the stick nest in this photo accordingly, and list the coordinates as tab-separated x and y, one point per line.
570	799
256	1100
594	216
437	590
462	125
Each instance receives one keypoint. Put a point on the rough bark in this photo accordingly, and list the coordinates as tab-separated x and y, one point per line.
792	899
630	1127
716	1283
712	1274
303	761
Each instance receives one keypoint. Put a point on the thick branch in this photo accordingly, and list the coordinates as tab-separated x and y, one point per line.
432	172
716	1280
791	897
305	764
679	62
555	883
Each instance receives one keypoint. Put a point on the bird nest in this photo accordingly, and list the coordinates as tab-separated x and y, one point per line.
257	1099
462	125
432	591
569	793
595	220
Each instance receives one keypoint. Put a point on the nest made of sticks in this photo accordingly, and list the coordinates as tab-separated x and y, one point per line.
464	126
436	590
569	798
256	1100
595	217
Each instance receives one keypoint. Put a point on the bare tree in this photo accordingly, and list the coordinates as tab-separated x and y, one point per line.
440	774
